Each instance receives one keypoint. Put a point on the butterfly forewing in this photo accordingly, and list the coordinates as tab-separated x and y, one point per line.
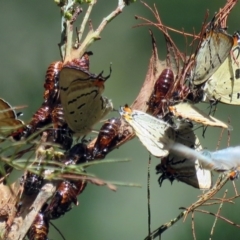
8	119
213	51
6	110
191	112
155	134
80	94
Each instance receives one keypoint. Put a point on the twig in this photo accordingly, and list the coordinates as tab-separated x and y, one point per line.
85	19
148	195
218	212
193	227
219	184
92	36
218	216
165	226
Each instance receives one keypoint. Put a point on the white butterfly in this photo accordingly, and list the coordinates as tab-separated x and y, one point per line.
224	84
81	98
177	167
160	139
213	51
156	135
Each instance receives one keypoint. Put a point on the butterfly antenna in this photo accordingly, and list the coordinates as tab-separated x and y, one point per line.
110	72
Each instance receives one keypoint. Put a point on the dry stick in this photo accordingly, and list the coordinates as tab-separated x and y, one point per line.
218	202
232	198
218	212
94	35
222	180
85	20
148	195
165	226
218	216
220	139
235	189
193	228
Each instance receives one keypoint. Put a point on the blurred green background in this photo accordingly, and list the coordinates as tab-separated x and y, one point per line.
30	31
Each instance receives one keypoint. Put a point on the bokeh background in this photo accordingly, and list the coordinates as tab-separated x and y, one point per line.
30	31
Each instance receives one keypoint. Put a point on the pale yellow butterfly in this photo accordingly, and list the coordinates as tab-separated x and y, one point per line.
224	84
191	112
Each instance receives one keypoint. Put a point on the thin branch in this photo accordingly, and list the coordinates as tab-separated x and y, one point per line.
193	227
218	212
93	36
148	195
218	216
85	19
219	184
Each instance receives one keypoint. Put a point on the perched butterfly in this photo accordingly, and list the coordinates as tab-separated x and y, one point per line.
81	98
213	51
176	167
156	135
224	84
191	112
9	121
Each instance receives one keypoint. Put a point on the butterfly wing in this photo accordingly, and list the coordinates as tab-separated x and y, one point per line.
191	112
213	51
80	94
155	134
8	119
183	169
224	84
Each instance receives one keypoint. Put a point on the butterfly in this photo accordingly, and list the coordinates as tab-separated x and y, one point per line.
224	84
155	134
213	51
9	121
227	159
191	112
160	138
81	98
176	167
